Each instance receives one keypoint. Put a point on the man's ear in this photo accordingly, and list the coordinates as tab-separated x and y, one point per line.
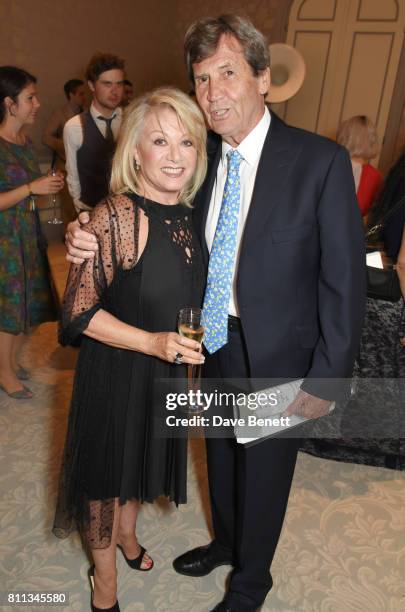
91	86
264	81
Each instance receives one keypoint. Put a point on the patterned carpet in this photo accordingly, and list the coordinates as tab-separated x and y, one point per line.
342	548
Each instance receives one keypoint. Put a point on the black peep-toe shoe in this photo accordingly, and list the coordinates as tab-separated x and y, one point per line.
136	563
115	607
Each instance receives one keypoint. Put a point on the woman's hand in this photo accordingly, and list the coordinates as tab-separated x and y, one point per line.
80	245
46	185
167	345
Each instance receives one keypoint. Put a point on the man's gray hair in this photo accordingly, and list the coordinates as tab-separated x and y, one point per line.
202	39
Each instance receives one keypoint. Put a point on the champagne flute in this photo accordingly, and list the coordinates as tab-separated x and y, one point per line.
55	220
191	325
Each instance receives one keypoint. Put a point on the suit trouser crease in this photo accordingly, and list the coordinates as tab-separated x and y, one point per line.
249	489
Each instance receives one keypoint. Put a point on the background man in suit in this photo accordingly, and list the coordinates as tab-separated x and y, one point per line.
293	281
128	94
53	133
53	137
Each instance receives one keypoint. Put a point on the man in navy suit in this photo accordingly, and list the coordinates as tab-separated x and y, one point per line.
296	297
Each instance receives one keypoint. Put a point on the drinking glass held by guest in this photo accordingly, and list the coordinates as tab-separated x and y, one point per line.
25	294
125	301
359	136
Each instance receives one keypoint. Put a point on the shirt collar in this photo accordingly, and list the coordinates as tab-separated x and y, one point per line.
95	113
251	147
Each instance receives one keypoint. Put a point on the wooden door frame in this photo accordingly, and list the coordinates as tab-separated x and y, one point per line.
394	116
280	28
279	34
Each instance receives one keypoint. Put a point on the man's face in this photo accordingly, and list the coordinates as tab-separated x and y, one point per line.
231	97
108	89
78	97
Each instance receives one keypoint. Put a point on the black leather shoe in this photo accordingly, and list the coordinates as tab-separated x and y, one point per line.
224	607
199	561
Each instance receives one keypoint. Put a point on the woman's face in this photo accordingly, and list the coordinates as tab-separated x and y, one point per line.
167	156
27	105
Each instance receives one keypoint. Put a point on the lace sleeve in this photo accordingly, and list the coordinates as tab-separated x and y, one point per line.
111	222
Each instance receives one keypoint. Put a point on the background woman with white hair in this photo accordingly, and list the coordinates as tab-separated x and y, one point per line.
359	136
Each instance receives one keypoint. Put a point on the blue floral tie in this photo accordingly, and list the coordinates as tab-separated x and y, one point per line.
222	260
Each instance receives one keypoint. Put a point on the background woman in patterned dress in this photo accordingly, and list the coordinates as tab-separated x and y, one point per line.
25	295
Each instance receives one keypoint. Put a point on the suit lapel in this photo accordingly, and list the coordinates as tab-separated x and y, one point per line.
276	161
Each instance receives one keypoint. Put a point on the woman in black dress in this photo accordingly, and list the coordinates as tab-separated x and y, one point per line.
125	301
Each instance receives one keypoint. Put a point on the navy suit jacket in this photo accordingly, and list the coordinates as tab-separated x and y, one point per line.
301	275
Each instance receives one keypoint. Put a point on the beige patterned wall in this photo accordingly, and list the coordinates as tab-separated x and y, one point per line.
266	15
55	38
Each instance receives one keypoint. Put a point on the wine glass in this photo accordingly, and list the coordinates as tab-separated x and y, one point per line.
191	325
55	220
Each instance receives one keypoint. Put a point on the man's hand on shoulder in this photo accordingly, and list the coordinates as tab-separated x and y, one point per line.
308	406
80	245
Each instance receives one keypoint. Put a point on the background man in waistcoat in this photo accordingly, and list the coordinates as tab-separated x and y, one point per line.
90	137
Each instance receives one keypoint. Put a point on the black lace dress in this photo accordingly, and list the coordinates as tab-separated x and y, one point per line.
111	449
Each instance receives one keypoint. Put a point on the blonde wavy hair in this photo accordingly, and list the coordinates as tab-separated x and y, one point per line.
359	136
124	175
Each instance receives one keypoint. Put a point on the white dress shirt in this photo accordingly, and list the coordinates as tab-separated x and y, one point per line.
73	140
250	149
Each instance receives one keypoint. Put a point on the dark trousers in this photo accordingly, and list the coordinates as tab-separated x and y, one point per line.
249	490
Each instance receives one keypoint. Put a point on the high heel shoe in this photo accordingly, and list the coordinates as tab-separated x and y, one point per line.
136	563
115	607
23	393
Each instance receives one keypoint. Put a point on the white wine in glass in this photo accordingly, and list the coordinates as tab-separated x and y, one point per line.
191	325
194	333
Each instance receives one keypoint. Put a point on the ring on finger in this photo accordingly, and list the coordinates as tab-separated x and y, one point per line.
178	360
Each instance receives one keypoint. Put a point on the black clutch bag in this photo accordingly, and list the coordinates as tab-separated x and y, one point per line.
383	284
